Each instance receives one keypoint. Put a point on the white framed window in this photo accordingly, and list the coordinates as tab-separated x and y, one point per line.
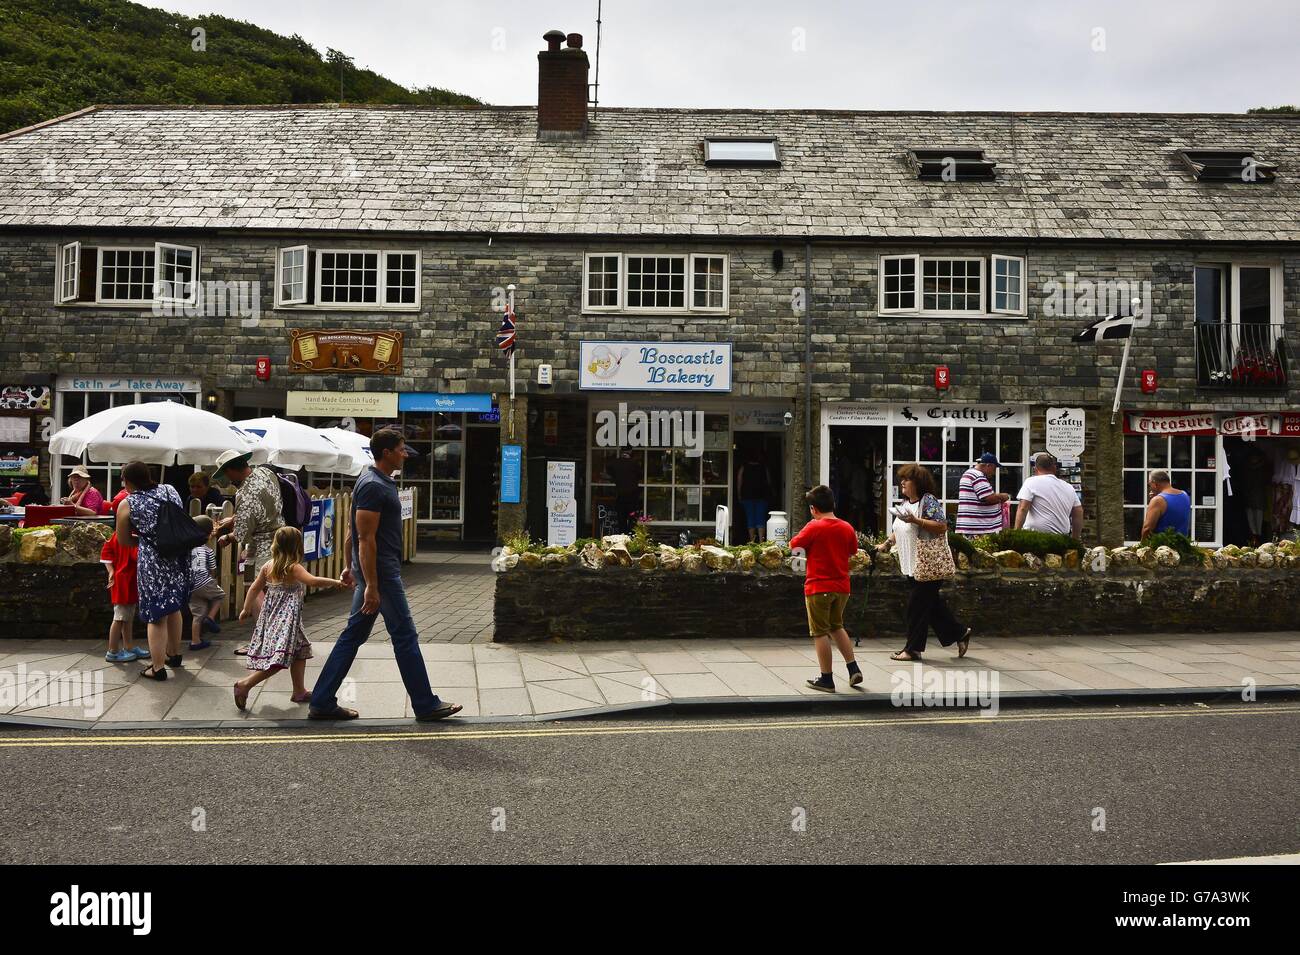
291	276
1008	285
952	286
898	282
602	281
656	282
367	278
176	274
402	279
125	276
1194	463
69	281
347	277
709	283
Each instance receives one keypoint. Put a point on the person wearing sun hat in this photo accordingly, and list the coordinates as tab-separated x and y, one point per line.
257	508
88	501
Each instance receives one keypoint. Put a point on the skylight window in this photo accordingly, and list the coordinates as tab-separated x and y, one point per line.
741	151
1227	165
951	165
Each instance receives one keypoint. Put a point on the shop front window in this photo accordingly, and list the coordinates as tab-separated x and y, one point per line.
948	452
1191	461
106	477
676	487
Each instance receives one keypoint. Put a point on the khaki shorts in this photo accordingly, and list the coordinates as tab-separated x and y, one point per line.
825	612
201	598
124	612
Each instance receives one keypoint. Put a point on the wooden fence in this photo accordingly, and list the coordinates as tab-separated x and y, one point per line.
236	584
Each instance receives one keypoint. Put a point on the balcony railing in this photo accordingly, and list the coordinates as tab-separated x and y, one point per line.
1241	356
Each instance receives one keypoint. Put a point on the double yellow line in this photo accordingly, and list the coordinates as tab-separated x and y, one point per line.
449	734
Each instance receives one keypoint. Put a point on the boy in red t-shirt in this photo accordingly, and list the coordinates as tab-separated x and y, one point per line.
120	563
827	543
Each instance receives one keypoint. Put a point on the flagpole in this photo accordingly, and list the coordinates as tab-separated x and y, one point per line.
511	290
1123	364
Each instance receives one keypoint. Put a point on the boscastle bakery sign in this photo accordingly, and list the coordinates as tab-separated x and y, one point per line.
655	366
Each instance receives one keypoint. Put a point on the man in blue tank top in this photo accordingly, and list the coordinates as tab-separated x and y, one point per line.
1169	509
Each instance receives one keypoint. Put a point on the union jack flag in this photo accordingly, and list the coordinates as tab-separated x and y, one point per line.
506	333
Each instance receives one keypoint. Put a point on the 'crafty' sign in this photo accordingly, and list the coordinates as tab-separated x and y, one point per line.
655	366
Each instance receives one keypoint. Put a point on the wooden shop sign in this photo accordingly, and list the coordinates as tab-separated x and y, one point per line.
355	352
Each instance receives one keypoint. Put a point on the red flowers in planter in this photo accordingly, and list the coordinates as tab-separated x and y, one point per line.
1258	369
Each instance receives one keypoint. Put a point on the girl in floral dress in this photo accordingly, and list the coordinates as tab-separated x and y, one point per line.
279	641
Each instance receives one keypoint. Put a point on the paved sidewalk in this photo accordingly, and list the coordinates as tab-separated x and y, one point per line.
546	681
450	593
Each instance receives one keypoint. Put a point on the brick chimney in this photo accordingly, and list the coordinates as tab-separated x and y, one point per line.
562	88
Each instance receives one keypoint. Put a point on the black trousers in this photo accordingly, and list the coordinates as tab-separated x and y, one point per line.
926	608
627	507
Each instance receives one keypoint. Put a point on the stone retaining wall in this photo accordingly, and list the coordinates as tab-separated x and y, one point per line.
572	602
44	601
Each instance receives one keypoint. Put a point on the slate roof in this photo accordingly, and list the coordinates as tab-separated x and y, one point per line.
640	173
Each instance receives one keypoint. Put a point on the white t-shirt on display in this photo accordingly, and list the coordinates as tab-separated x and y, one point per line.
1051	501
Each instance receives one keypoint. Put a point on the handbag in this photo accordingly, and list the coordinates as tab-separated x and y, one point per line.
176	534
933	558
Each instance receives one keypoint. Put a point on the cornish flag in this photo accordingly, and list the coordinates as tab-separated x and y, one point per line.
1105	329
506	334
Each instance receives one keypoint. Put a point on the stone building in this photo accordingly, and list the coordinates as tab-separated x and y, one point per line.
834	292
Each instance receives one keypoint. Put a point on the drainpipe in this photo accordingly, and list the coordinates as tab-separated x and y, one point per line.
807	363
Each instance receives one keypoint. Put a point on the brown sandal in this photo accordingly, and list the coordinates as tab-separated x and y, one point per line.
964	643
338	713
902	656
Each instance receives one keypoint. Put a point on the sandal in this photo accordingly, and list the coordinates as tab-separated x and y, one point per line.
441	713
149	673
303	697
964	643
902	656
241	650
241	697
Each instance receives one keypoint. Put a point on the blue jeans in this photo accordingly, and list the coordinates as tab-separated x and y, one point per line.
406	646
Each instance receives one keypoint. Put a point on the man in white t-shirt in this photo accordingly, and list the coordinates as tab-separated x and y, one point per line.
1047	503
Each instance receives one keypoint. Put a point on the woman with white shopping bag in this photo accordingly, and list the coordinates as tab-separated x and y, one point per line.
920	533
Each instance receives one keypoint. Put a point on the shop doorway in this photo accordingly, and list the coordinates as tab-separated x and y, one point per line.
482	479
1264	477
759	474
858	478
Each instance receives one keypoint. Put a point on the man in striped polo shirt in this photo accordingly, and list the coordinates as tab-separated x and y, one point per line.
979	507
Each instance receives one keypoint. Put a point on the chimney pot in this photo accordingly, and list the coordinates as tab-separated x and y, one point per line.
562	87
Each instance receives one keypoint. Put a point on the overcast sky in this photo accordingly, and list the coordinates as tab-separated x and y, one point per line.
1176	55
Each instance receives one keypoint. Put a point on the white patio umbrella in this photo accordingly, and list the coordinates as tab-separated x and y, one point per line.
290	444
357	446
158	432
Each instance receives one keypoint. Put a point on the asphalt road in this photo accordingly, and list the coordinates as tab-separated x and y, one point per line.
1176	782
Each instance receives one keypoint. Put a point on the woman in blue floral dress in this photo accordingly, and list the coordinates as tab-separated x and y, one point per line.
164	582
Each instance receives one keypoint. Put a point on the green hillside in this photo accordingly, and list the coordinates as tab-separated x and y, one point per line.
57	56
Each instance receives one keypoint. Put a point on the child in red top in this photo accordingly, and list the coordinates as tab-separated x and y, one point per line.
120	563
827	544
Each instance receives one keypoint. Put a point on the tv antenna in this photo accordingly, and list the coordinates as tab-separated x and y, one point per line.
595	87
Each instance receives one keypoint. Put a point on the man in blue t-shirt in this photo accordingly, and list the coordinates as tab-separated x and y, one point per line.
374	570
